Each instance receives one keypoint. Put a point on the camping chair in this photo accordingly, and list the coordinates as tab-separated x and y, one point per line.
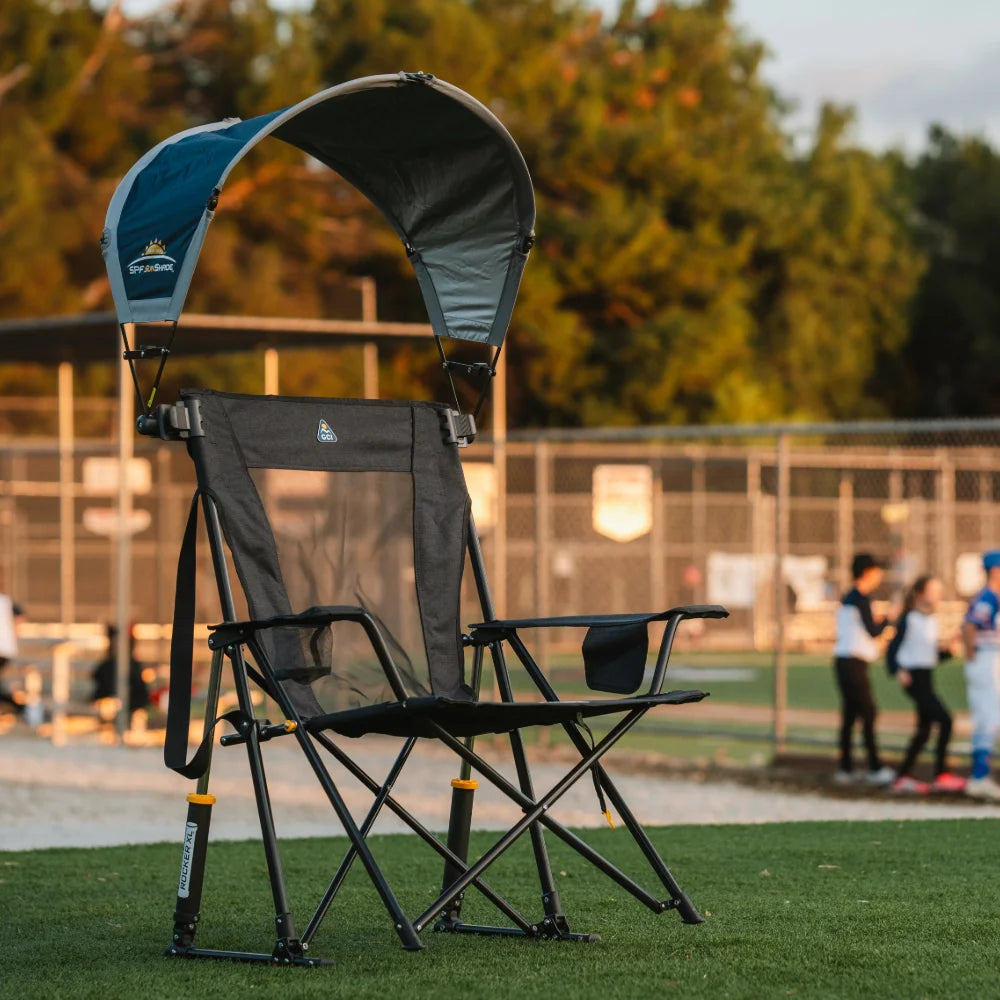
348	525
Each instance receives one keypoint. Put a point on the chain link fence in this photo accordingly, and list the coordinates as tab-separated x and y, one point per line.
763	519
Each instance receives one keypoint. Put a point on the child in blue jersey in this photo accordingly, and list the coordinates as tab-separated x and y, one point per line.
854	651
982	664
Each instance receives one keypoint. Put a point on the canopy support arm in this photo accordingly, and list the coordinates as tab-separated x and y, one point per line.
485	368
145	353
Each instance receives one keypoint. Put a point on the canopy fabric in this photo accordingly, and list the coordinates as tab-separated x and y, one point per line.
438	165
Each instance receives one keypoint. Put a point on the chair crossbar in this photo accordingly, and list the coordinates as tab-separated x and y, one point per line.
388	801
536	811
688	911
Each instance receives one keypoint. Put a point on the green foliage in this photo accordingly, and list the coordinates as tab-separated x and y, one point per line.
692	264
893	910
950	363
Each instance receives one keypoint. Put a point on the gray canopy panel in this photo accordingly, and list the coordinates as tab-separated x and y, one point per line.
438	165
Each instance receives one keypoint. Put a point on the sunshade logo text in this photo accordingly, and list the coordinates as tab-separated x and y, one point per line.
324	433
152	260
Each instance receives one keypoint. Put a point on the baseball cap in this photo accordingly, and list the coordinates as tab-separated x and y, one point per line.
991	558
865	560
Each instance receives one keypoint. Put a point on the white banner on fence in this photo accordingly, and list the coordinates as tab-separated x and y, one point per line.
733	577
970	577
8	640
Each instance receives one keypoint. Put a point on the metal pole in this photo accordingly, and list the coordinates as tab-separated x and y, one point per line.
123	575
369	314
543	558
780	545
500	465
754	496
271	371
67	538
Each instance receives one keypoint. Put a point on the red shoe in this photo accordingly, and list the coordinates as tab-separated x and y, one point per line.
912	786
946	782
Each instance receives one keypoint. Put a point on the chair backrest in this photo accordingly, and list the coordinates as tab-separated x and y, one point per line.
342	502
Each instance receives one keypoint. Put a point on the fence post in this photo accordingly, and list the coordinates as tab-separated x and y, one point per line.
543	558
845	528
780	546
67	530
754	496
500	465
946	514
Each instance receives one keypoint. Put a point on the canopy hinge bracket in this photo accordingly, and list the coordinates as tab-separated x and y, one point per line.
173	422
470	370
145	352
459	428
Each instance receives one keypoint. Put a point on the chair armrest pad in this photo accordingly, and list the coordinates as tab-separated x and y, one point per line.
503	626
227	633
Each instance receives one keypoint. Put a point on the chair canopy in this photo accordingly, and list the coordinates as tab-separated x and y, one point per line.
438	165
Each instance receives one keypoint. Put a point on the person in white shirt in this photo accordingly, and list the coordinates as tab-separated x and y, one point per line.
854	650
912	656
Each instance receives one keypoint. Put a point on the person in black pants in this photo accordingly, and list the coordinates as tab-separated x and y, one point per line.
912	656
854	651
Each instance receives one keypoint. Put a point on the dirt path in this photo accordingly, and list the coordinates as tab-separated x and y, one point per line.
86	794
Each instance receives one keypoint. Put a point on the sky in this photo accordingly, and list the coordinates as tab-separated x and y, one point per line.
902	64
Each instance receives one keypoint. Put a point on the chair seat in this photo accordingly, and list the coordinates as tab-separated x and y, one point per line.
416	716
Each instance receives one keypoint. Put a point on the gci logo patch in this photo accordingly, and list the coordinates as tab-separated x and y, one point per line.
325	433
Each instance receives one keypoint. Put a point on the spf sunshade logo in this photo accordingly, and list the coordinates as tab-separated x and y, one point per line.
324	433
152	260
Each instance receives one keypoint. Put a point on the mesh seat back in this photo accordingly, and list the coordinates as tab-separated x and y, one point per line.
342	502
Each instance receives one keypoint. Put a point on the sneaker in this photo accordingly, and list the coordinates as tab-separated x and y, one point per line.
883	776
946	782
910	786
844	778
982	788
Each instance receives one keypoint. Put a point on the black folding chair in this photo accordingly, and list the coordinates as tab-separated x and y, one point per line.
348	525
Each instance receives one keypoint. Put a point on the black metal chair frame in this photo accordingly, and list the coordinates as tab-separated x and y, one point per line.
233	639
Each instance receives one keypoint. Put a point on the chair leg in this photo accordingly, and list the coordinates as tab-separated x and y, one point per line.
554	921
687	910
453	860
345	866
536	811
288	948
682	903
404	928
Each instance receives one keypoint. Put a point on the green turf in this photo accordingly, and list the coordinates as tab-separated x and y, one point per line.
811	682
804	910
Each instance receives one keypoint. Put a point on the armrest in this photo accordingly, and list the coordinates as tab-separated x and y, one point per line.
615	648
503	626
228	633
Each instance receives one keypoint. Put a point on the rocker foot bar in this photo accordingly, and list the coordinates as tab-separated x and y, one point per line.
537	931
248	956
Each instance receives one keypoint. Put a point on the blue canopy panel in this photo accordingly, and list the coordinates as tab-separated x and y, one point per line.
438	165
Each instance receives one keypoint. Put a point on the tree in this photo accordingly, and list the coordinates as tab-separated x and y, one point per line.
690	266
949	364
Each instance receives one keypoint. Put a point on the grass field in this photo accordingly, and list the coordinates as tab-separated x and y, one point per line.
736	679
814	910
810	679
